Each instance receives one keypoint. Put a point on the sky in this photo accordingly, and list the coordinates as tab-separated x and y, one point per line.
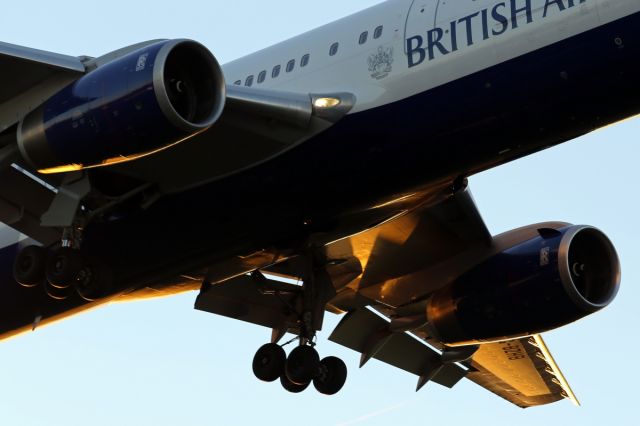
162	363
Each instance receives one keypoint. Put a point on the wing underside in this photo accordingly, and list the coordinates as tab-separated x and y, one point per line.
418	253
33	75
414	252
521	371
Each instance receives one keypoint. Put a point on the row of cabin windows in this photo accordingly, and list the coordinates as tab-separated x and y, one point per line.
377	33
304	61
275	72
364	36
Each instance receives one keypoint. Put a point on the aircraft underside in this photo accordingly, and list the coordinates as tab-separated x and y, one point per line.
371	214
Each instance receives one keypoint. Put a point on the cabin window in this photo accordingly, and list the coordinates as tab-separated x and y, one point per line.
291	65
249	81
305	60
262	76
363	37
378	32
334	49
276	71
237	82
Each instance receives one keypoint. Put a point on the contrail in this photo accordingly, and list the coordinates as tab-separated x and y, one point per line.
377	413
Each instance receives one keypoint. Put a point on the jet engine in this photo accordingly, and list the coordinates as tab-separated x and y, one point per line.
546	282
135	105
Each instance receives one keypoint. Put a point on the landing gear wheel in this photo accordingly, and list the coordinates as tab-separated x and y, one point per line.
302	365
268	363
29	266
93	281
290	386
63	267
332	376
57	293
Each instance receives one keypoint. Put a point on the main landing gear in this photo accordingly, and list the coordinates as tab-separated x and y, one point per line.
61	271
303	365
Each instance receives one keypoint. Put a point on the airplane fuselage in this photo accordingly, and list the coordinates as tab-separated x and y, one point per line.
444	90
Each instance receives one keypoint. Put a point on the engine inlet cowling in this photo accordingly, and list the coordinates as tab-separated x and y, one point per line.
133	106
535	286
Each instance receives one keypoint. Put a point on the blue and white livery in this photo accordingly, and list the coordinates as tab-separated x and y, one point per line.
327	173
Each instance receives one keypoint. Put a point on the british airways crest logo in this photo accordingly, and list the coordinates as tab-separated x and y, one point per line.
381	63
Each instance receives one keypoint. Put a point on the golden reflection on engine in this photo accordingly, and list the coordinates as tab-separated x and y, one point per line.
111	161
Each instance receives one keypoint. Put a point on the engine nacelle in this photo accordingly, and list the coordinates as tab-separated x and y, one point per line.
538	285
135	105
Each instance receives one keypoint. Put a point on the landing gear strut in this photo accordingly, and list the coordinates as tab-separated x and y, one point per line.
303	365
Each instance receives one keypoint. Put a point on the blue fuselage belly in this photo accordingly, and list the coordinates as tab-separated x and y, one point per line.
518	107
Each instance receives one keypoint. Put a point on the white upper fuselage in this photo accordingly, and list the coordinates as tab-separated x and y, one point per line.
423	44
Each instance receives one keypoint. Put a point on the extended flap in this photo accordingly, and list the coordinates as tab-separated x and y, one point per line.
401	350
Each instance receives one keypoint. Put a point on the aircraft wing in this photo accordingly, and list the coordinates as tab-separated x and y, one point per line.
23	200
29	77
521	371
414	252
430	240
417	253
257	124
261	123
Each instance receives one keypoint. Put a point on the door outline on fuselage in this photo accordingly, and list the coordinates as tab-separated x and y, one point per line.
430	7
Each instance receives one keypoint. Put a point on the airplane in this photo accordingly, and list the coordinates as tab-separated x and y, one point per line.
327	173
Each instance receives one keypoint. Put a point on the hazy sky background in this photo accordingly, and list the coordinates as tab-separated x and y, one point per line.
162	363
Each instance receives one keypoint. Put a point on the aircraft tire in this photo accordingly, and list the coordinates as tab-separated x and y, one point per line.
268	362
302	365
55	292
93	281
29	266
292	387
63	266
332	376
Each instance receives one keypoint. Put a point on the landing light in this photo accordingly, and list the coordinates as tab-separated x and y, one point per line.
326	102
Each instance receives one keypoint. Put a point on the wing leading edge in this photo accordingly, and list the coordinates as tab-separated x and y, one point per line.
34	75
